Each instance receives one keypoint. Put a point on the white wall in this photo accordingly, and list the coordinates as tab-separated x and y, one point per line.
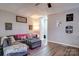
57	33
17	28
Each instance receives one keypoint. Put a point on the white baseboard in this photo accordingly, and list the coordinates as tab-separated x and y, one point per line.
64	44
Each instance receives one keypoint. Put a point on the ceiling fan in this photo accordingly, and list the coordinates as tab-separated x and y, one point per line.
48	5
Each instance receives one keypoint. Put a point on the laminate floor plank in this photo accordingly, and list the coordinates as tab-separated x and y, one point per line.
53	49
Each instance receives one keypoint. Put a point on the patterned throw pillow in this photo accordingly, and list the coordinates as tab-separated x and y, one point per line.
9	41
12	39
5	44
2	39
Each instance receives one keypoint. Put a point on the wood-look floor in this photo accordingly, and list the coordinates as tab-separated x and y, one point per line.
53	49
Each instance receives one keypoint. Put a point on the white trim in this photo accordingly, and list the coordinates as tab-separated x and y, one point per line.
64	44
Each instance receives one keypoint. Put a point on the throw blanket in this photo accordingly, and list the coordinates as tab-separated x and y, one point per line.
15	48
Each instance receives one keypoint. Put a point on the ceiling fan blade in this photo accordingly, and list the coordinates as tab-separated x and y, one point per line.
49	5
37	4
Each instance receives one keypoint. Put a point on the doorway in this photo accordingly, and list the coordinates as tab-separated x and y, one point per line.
43	30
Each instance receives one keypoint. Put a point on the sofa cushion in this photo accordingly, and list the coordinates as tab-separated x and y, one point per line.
22	36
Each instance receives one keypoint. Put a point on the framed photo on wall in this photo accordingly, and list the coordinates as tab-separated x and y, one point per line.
30	27
69	17
69	29
8	26
21	19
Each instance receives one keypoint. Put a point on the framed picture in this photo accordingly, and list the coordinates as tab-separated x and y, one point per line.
21	19
69	29
69	17
30	27
8	26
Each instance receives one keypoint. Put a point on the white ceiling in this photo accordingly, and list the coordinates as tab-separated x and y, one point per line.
29	9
